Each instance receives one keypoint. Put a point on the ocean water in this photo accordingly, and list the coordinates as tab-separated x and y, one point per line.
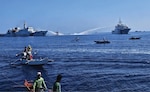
121	66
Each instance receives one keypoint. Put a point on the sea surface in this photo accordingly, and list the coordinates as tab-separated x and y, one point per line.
121	66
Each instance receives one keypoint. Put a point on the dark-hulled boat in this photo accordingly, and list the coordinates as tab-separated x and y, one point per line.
102	41
134	38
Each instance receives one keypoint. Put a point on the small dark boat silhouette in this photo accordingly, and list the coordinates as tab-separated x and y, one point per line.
134	38
102	41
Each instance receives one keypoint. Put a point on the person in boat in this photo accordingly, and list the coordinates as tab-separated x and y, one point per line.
39	84
24	53
57	85
29	53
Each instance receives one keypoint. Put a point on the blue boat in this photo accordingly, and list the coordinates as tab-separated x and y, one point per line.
35	62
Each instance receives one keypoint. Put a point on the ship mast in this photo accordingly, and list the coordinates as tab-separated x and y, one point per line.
25	25
120	22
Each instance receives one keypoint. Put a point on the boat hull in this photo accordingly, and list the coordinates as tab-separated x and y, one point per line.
40	33
134	38
124	31
35	62
102	42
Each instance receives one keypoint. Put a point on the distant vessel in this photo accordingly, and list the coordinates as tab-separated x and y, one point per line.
26	31
134	38
102	41
121	29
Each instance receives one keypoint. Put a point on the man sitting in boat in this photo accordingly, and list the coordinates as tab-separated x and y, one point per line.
29	53
24	53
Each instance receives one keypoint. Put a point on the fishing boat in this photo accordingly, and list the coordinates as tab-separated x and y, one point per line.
32	62
121	28
25	31
134	38
104	41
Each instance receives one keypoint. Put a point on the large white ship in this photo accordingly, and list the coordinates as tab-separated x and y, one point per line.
26	31
121	28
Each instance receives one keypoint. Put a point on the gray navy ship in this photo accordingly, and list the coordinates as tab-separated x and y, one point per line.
121	28
26	31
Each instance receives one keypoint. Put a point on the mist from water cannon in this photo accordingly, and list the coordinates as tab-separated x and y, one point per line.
54	33
93	31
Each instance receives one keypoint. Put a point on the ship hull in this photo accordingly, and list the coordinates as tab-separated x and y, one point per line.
40	33
124	31
19	34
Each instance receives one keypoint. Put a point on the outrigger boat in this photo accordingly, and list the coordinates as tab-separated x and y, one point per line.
35	61
26	58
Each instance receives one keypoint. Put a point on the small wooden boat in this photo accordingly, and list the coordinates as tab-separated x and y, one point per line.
33	62
102	41
134	38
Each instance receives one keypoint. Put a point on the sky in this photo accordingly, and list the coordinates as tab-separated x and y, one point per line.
74	16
